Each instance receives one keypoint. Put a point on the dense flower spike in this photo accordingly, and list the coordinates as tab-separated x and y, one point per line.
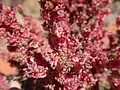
76	31
73	54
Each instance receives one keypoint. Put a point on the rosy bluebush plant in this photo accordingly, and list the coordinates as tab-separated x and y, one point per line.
72	54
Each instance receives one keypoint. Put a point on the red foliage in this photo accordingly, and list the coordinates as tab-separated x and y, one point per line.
72	54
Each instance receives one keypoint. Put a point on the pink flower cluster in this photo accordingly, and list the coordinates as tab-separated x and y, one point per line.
72	54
